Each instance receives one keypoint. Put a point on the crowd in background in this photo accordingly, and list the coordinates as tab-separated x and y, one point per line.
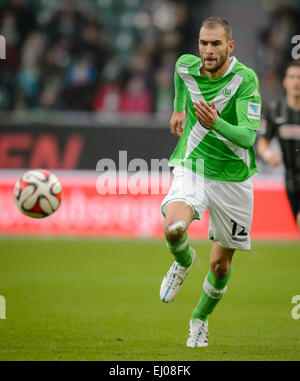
71	56
113	55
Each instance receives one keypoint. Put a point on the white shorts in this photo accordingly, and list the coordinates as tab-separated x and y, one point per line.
230	206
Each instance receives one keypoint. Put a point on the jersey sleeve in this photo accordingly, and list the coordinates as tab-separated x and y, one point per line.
248	104
241	136
180	96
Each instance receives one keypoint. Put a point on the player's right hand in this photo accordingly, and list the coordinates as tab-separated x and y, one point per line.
176	122
273	158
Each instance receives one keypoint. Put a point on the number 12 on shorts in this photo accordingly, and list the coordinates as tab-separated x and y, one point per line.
241	235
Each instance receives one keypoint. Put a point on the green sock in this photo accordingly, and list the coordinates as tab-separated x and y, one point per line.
181	251
212	292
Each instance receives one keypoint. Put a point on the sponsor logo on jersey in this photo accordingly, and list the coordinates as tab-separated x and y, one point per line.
184	64
253	110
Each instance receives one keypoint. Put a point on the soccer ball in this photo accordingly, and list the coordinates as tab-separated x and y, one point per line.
38	193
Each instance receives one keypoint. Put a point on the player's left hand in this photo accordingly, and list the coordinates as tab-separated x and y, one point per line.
206	114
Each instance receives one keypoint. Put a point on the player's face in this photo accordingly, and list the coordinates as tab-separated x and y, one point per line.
291	81
214	48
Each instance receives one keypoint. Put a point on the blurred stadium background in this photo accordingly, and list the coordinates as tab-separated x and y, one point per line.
82	81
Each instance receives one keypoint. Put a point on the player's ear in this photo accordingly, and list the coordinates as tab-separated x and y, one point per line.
231	45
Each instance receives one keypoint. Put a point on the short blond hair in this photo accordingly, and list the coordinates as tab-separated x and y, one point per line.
214	22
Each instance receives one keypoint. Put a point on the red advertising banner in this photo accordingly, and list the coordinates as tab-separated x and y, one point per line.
85	212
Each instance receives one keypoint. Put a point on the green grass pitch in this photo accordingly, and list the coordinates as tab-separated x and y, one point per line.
89	299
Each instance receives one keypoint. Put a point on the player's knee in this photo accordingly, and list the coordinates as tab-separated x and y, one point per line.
174	231
220	269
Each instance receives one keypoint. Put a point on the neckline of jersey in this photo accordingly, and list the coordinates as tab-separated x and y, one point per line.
228	71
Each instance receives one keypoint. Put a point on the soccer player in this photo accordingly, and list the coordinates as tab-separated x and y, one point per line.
214	160
282	120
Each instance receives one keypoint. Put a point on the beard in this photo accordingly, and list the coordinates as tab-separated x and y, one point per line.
219	63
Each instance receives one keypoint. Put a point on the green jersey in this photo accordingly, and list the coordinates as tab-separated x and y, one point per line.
237	99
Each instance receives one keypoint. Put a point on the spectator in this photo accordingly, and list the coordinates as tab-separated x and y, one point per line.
65	24
25	18
9	29
54	67
29	73
163	92
80	84
136	97
90	44
108	97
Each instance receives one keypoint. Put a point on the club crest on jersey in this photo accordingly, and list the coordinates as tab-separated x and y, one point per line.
227	93
253	110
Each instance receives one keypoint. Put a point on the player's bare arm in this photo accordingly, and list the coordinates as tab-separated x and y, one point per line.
176	122
273	158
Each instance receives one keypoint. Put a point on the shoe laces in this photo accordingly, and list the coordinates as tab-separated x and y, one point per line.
196	328
174	277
